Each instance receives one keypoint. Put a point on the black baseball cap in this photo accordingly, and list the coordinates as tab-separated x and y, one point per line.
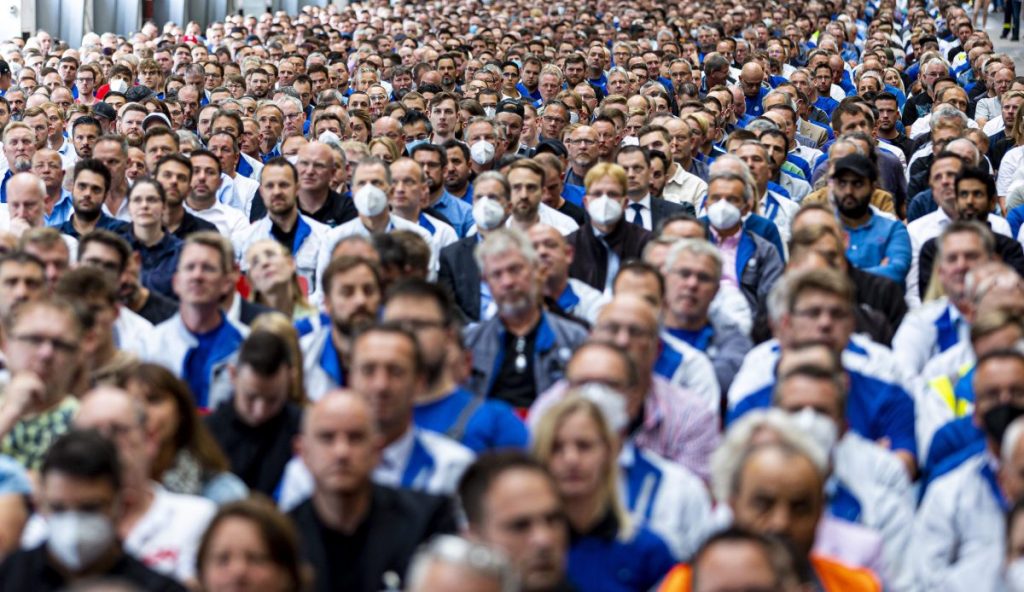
554	147
104	110
511	106
857	164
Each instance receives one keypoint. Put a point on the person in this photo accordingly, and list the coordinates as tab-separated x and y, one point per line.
201	200
645	211
352	296
257	426
433	160
199	342
527	180
41	342
250	545
960	548
575	441
272	271
739	559
188	459
693	274
457	565
443	406
606	240
459	272
157	250
160	528
877	244
563	294
301	235
174	173
90	181
79	489
523	350
511	504
353	530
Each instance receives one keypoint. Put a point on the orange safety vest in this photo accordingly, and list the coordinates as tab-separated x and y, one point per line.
834	576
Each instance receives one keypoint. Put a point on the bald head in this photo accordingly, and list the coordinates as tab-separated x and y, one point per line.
346	418
26	196
334	403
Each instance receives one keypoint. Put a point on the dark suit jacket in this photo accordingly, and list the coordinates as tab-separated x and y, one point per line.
251	310
590	264
662	208
460	275
399	521
1007	249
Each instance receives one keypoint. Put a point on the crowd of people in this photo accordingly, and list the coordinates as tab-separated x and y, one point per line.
610	296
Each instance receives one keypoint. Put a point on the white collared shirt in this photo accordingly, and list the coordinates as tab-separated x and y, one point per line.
230	222
237	192
646	215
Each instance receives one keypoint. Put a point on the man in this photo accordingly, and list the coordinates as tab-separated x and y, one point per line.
526	178
729	199
693	274
458	172
878	407
434	160
787	172
443	406
339	442
939	324
22	278
563	294
91	179
877	244
81	480
957	525
236	190
19	146
160	528
778	489
112	151
681	185
511	504
769	204
975	200
103	360
57	203
459	272
174	173
317	200
200	341
372	189
407	199
257	427
457	565
737	559
37	405
301	235
582	144
522	350
606	240
202	199
888	115
644	210
444	112
26	205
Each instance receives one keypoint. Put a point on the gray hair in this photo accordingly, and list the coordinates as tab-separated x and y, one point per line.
944	113
289	99
495	176
693	247
746	179
761	124
473	557
968	145
778	93
728	460
1011	437
190	138
503	240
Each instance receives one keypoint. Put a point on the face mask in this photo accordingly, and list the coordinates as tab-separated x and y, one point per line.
370	201
819	427
472	29
604	210
997	419
1015	576
488	213
329	137
574	117
489	111
118	85
723	215
482	152
410	146
78	539
294	159
630	141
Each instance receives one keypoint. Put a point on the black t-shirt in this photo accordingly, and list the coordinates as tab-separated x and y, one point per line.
346	557
573	211
337	209
514	383
158	308
286	238
191	224
32	570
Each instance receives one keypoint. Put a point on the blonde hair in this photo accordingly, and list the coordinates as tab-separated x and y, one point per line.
546	432
606	169
298	293
278	324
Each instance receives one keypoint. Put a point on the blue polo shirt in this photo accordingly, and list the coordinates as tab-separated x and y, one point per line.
879	239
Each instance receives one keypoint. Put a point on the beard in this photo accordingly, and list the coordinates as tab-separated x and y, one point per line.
356	322
856	210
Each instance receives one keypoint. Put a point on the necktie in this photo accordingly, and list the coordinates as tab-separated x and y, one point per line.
638	219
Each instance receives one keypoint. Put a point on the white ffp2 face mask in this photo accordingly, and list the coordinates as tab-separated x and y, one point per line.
370	201
482	152
488	213
604	210
723	215
78	539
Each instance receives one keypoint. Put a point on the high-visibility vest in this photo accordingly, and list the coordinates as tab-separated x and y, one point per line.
833	575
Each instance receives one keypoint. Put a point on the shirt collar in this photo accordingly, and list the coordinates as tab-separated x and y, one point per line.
395	456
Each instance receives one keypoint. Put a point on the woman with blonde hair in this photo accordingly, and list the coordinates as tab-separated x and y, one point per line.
385	149
609	552
275	281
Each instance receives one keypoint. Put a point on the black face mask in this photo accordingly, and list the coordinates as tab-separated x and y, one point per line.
997	419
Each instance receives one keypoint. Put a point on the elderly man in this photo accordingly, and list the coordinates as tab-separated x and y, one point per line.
523	350
568	295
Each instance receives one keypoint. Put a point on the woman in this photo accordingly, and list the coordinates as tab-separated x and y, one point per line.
274	280
608	553
385	149
187	458
249	545
157	249
361	125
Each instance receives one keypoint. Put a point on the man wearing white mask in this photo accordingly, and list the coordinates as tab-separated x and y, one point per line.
606	240
458	270
485	147
749	262
371	187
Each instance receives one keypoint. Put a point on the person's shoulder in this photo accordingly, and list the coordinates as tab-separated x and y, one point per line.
839	576
181	505
400	503
136	572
